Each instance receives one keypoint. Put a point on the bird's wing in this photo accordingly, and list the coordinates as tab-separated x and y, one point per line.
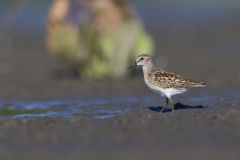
166	79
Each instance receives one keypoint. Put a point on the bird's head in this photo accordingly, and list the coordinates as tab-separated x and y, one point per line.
143	59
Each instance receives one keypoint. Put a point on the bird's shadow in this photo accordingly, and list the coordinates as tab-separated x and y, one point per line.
177	106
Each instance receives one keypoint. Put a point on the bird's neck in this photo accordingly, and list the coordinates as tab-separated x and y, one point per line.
147	67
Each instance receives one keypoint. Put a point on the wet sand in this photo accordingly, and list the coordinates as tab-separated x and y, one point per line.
200	128
205	125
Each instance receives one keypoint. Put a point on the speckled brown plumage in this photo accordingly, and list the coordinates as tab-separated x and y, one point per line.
164	79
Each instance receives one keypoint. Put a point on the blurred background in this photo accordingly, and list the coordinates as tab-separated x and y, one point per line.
43	60
197	39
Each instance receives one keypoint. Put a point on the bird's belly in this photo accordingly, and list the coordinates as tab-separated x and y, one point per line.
173	91
168	92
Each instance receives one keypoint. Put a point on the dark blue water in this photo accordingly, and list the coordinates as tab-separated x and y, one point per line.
106	108
96	108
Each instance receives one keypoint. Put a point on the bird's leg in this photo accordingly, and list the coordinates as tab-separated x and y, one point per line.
172	104
166	104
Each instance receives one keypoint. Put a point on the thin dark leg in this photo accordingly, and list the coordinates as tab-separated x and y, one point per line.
167	103
172	104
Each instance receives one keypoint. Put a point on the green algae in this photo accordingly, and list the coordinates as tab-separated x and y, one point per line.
12	112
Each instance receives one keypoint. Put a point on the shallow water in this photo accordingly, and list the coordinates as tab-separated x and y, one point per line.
107	108
96	108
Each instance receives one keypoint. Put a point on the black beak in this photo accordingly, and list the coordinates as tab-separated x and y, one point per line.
132	66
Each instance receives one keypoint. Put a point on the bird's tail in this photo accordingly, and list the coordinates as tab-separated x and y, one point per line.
200	84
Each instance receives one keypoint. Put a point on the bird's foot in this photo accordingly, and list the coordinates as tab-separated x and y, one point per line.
162	110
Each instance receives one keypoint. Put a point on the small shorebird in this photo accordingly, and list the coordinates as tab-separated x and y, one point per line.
162	82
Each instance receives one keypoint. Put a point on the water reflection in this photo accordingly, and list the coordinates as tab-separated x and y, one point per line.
103	108
98	108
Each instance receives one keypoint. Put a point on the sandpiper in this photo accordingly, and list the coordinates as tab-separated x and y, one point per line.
162	82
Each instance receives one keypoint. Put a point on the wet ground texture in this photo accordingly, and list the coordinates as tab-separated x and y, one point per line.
205	124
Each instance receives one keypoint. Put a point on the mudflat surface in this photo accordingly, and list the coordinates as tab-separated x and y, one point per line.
112	119
205	125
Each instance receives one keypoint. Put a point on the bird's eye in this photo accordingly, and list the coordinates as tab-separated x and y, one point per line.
141	59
